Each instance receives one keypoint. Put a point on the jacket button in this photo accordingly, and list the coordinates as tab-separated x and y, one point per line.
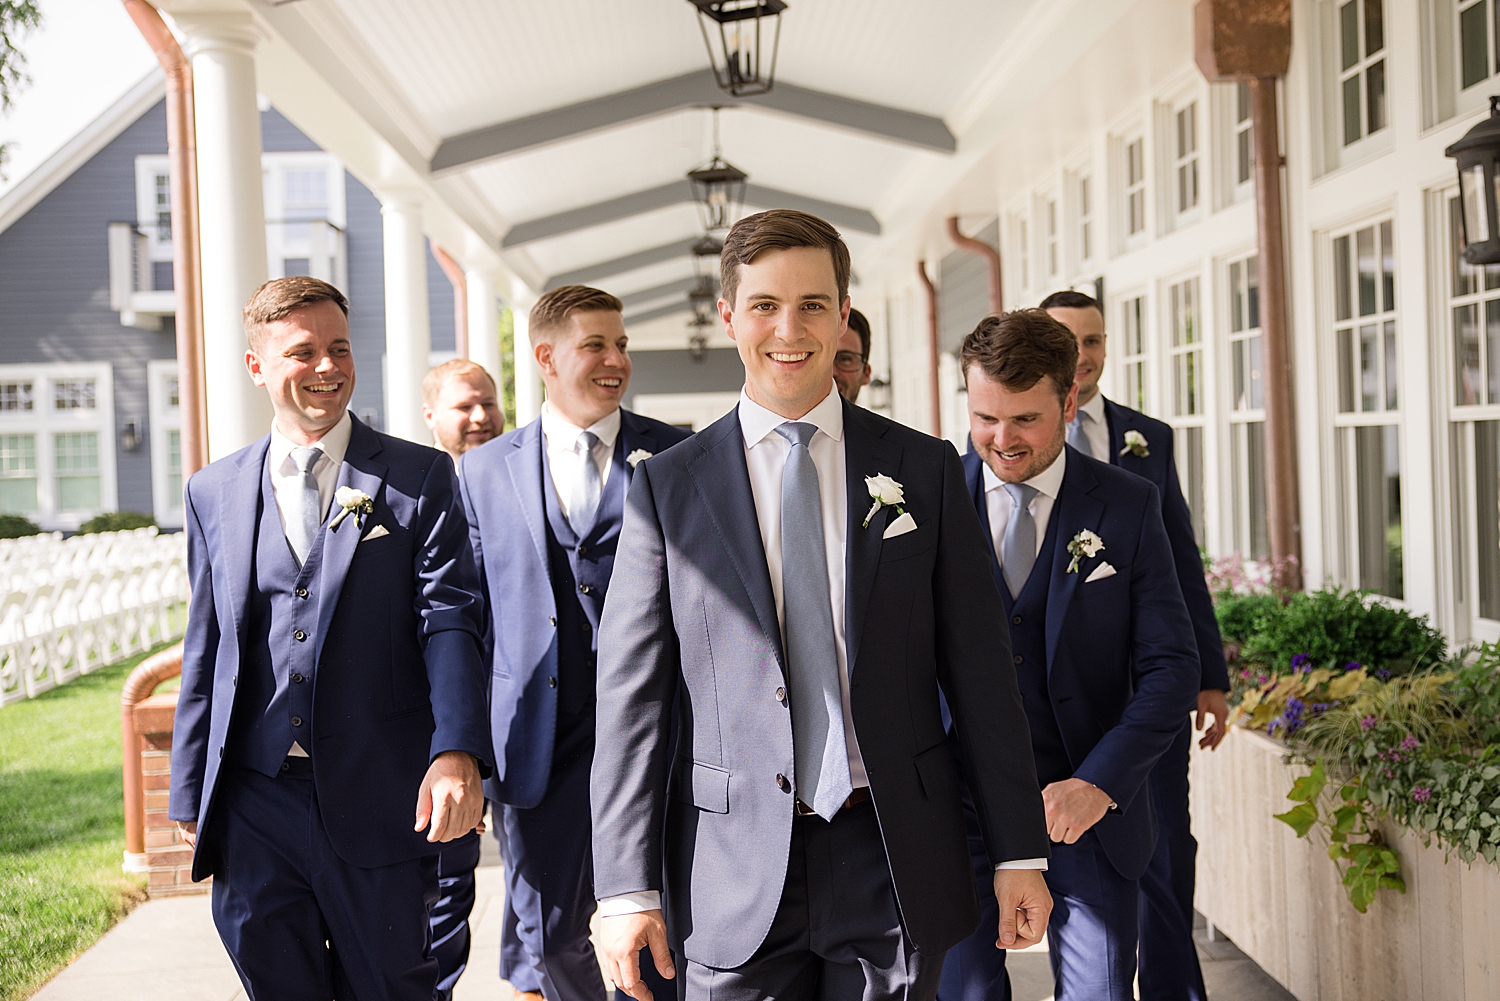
1018	658
235	681
296	721
551	682
585	589
587	629
301	592
781	695
583	550
552	620
782	783
1016	620
299	636
297	679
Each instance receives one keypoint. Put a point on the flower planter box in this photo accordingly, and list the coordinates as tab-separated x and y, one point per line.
1281	901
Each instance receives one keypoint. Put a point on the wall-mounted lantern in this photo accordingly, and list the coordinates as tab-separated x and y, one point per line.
1477	154
130	436
741	62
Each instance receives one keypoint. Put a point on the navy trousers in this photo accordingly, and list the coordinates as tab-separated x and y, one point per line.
449	918
837	933
1168	957
300	923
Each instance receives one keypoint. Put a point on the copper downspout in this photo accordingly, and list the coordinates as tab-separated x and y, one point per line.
932	348
990	254
460	298
149	674
1281	432
187	273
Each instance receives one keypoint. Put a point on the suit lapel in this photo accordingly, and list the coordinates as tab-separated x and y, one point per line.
239	509
1115	422
524	463
1076	509
362	472
637	436
722	478
866	453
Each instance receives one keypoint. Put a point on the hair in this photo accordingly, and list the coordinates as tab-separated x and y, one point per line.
551	312
779	229
280	297
861	326
1017	349
1069	299
434	381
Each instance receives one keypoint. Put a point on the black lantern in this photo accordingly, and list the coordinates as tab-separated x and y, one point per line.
698	339
1477	154
741	63
704	296
718	188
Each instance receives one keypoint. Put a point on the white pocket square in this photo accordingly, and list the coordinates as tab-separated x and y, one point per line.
902	525
1101	571
380	531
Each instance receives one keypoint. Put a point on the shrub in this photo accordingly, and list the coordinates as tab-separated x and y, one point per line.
116	521
1334	628
13	526
1239	614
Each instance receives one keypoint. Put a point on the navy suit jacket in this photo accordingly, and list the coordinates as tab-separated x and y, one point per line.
1122	671
502	491
1160	467
691	622
399	678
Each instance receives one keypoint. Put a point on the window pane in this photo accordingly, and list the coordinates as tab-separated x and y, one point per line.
1487	503
15	396
1369	368
1492	349
78	493
1375	97
74	394
1135	385
173	394
1378	505
1257	384
1241	102
1236	297
1244	156
1345	340
77	452
1133	166
174	469
1391	366
1465	275
1252	291
1343	305
18	496
1374	26
1137	212
1349	34
1474	45
1387	268
1352	131
1241	375
1190	470
1364	242
1252	531
1467	387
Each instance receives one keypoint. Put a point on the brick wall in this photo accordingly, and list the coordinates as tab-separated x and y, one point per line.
168	862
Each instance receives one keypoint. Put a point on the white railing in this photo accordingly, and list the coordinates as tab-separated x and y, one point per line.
71	606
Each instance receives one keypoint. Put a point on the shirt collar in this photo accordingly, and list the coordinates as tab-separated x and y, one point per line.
1095	408
562	433
334	443
1048	482
756	421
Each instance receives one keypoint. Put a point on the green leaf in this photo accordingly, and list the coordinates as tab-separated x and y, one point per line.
1300	818
1307	788
1345	817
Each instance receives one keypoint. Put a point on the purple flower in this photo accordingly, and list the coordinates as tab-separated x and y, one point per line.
1262	680
1368	723
1302	663
1382	674
1422	794
1353	665
1409	743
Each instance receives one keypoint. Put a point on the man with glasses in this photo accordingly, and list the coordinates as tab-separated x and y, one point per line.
851	363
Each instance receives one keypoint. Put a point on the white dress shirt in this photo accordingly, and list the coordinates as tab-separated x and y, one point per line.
998	503
565	461
285	477
1096	427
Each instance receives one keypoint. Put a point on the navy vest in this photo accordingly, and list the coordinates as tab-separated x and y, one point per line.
580	571
273	706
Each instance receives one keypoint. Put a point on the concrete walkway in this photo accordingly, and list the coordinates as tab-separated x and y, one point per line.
168	950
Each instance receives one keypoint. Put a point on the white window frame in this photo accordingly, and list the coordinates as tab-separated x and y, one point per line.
163	418
148	167
1135	380
1133	198
1086	217
44	421
1233	142
1333	152
1021	235
1051	214
1241	325
288	238
1197	355
1184	138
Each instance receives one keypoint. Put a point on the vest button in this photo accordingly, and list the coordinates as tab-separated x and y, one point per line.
299	636
583	550
297	679
782	783
551	682
296	721
585	589
552	620
781	695
1016	620
1018	658
301	592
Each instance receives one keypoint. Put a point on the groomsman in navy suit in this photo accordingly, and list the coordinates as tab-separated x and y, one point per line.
330	732
545	504
1102	644
1129	439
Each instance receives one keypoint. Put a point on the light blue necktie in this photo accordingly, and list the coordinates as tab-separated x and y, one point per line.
584	503
1078	435
1018	550
821	756
306	513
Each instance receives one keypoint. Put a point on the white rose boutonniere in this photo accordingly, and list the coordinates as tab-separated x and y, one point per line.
352	501
885	492
637	457
1135	444
1085	545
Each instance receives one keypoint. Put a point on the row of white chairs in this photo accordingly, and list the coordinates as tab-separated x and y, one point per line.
73	607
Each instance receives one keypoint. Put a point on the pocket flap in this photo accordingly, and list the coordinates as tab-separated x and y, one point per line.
704	786
938	772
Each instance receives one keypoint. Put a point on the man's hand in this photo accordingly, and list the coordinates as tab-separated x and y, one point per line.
451	797
1073	806
1025	906
188	831
1213	702
622	937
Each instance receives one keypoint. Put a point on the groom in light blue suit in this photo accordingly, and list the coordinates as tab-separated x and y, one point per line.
545	504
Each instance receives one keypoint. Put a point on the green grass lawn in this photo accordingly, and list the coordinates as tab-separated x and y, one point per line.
62	833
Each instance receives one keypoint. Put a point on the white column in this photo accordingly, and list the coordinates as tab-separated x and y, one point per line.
232	219
408	337
528	376
484	321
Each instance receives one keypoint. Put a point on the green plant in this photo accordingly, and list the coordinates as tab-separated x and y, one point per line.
1334	627
1239	615
1353	836
13	526
116	521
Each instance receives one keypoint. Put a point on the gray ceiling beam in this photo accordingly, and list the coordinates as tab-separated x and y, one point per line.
592	273
692	90
656	314
680	287
678	193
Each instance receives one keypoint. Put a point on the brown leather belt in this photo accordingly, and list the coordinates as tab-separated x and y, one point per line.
856	797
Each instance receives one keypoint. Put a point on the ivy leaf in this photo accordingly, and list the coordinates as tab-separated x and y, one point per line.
1299	818
1307	788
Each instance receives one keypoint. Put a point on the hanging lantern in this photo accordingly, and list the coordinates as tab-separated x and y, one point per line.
698	339
741	62
704	296
718	188
1477	154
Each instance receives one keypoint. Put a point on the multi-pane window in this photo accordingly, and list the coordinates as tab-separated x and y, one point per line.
1476	322
1244	334
18	474
1361	44
174	468
16	397
1054	255
74	394
1368	396
76	467
161	199
1085	219
1134	332
164	420
1023	237
1244	135
1478	43
1135	186
1185	131
1185	340
172	391
56	430
1247	428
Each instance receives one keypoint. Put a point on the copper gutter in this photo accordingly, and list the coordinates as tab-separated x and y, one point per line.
460	298
144	680
932	348
990	254
187	272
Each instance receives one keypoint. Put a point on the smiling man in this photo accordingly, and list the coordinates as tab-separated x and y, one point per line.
461	406
545	504
807	832
330	731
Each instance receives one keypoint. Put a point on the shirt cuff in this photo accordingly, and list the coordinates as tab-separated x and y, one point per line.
1023	863
630	903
